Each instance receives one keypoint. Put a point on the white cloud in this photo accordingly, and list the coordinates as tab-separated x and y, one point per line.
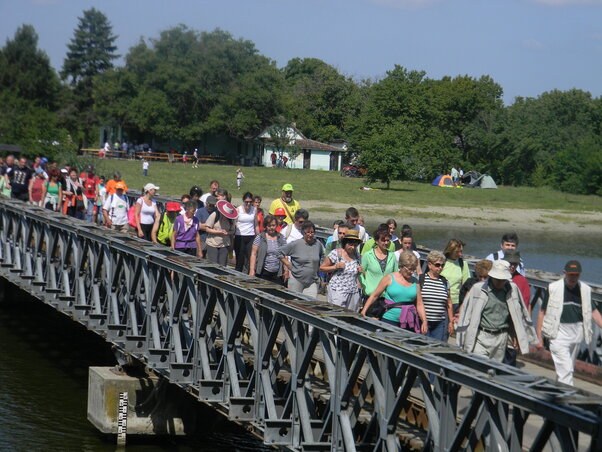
532	44
404	4
567	2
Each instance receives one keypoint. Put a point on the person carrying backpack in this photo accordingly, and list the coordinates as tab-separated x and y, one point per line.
115	209
163	230
436	298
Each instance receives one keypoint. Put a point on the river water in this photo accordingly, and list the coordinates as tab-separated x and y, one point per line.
43	389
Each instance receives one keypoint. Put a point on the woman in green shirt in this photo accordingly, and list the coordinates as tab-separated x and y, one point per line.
455	271
377	262
52	192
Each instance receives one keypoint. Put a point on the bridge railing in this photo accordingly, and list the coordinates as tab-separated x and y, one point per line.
303	373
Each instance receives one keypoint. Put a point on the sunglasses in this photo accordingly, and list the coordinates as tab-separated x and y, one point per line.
437	265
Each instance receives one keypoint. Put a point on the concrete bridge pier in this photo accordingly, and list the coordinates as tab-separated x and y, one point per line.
154	406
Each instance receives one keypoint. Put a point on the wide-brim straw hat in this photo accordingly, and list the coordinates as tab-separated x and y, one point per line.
352	234
227	209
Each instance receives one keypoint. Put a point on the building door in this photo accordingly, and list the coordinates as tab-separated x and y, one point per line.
334	161
306	158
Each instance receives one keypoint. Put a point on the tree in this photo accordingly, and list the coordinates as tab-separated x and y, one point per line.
398	132
282	138
91	53
187	84
26	71
462	100
406	151
319	98
34	128
29	96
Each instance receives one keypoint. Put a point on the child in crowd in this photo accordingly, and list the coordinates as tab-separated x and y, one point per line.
145	166
239	177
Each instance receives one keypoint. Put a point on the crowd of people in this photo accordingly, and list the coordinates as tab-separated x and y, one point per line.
377	275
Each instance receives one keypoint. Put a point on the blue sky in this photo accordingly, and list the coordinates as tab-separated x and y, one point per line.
527	46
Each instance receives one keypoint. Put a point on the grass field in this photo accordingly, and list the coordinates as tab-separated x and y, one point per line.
176	179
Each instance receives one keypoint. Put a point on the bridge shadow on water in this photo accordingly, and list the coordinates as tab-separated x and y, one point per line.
44	381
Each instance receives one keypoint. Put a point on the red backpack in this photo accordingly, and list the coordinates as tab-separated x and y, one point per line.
132	216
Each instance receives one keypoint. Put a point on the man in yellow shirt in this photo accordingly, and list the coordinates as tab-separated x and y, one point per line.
286	202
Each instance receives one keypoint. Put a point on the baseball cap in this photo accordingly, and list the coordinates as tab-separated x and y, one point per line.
572	266
172	206
280	211
211	200
287	187
512	256
119	186
150	186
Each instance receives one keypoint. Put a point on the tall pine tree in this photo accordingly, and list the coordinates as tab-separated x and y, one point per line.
91	53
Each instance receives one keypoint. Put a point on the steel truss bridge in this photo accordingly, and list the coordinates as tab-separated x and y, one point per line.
303	374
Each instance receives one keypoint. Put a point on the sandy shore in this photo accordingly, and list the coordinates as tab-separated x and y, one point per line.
324	213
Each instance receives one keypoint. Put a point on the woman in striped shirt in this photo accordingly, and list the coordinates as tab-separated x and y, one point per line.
436	298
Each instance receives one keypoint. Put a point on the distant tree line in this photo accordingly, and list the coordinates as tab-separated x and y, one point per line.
186	84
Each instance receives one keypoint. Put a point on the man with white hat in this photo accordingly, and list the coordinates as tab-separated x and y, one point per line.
494	311
565	319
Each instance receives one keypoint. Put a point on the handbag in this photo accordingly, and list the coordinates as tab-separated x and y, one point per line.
377	309
380	306
80	204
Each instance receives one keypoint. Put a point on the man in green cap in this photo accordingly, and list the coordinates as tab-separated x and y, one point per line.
286	202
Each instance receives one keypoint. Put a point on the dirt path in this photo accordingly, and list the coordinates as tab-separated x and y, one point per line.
516	219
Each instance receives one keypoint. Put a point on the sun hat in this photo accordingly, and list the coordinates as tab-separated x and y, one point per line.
512	256
572	266
500	270
280	211
119	186
211	200
352	234
150	186
227	209
287	187
172	206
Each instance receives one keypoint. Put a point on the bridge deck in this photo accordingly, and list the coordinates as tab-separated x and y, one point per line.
185	318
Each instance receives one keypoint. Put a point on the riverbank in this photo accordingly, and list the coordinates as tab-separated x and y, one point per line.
502	219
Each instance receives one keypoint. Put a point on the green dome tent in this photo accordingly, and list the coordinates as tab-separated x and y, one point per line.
484	181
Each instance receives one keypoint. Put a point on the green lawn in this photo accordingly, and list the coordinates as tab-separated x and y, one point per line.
176	179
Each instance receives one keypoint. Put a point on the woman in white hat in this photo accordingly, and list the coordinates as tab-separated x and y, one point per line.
220	226
147	213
